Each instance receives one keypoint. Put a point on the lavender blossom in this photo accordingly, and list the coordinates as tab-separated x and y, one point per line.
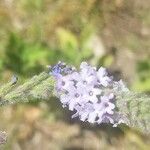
60	68
102	77
88	92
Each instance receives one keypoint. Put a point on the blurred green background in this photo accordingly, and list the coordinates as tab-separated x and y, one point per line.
35	33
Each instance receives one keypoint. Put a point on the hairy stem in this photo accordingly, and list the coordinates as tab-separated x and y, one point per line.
38	87
135	107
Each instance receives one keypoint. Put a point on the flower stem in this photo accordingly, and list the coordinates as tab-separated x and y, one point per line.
136	109
40	87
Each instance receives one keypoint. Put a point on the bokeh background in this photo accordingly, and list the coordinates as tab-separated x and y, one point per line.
36	33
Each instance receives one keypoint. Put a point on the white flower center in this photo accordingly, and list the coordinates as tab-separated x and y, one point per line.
63	83
76	95
84	82
91	93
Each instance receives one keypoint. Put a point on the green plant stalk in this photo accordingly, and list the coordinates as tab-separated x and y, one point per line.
134	107
38	87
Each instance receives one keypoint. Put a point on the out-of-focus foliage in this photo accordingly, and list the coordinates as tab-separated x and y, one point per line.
143	80
25	57
35	33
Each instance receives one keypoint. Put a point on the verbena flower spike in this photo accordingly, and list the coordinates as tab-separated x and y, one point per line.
89	92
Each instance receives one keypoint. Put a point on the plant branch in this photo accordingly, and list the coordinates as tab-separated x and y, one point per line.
134	107
38	87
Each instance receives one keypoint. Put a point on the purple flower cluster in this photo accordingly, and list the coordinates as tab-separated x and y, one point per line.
87	92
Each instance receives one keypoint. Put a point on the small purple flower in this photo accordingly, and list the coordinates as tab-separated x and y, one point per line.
63	82
83	110
107	106
60	69
87	74
73	97
92	94
102	77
